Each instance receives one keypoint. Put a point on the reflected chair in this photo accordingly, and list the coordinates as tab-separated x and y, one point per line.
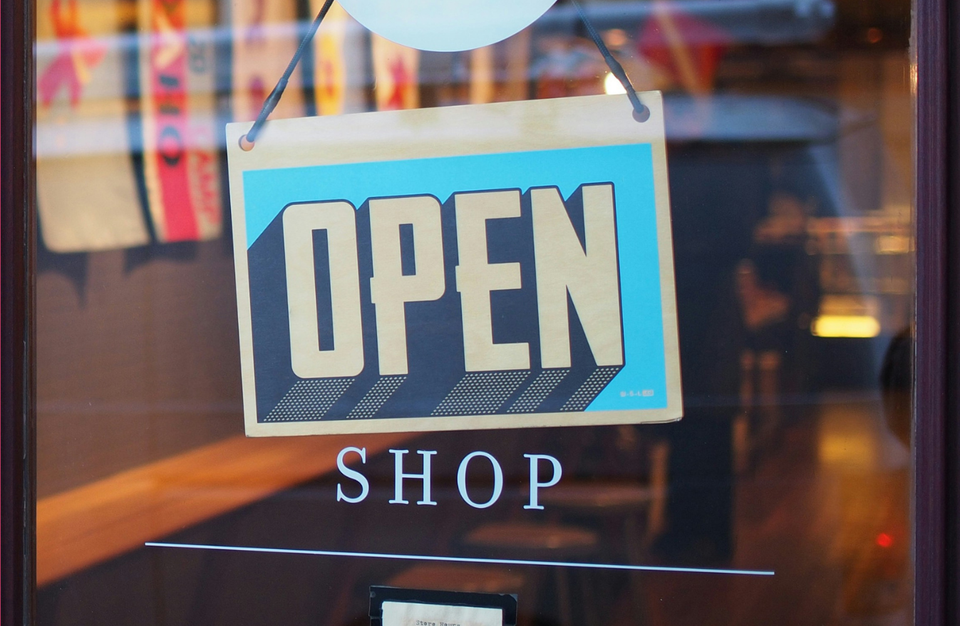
456	577
542	542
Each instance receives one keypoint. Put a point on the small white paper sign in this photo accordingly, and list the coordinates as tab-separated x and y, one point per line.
415	614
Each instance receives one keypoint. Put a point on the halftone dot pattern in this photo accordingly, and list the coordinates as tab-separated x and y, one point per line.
376	397
545	382
592	386
309	400
480	393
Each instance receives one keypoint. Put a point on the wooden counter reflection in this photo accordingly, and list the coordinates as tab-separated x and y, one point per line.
103	519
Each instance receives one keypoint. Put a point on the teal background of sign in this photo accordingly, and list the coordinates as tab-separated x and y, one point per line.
628	167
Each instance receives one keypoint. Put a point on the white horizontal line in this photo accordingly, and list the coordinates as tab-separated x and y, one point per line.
462	559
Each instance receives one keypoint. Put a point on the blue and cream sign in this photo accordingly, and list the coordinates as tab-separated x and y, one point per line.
494	266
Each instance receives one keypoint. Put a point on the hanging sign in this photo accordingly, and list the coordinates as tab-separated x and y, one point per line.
488	266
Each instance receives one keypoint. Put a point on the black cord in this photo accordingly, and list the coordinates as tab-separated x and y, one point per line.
247	141
640	112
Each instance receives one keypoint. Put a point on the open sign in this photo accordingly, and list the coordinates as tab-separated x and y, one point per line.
474	283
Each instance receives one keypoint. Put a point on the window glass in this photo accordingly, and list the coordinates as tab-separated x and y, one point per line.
781	496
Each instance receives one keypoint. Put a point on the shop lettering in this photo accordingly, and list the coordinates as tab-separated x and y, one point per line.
424	477
584	273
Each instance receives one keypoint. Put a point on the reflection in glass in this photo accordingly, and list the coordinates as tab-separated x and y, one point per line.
790	161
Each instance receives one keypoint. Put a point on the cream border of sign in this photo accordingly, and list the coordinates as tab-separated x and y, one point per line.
588	121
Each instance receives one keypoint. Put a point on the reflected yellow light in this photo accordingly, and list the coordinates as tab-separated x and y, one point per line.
612	86
848	436
847	449
892	244
846	326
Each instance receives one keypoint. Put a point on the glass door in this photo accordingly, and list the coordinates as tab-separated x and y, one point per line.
783	495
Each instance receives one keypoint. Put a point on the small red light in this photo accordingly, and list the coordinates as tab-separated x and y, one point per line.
884	540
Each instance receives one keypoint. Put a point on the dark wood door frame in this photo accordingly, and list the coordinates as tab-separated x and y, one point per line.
17	233
937	393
